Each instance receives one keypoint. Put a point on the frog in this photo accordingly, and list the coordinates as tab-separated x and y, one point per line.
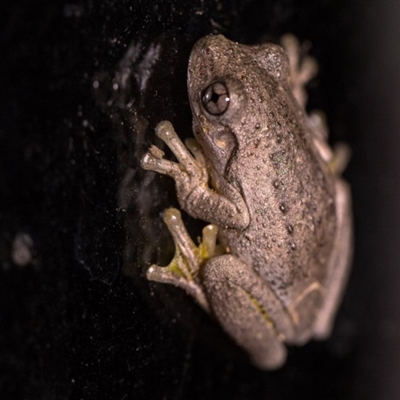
273	262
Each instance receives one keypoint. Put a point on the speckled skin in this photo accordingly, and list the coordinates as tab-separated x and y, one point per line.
283	215
271	163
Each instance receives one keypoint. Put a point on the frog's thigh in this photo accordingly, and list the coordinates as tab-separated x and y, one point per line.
233	290
339	264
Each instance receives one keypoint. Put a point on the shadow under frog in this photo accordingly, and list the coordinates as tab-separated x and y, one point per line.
261	172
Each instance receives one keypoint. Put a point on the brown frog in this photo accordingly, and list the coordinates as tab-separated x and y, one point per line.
262	173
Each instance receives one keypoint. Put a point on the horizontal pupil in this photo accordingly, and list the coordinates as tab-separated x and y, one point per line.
216	98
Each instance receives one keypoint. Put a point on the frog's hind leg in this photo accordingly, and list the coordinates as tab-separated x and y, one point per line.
339	264
248	310
183	270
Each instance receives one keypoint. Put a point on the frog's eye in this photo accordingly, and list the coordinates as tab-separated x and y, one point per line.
215	98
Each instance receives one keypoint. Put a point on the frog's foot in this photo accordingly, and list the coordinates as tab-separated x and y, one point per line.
316	122
189	173
183	270
338	158
302	67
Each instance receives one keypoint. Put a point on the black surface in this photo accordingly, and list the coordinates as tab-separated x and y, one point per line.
77	318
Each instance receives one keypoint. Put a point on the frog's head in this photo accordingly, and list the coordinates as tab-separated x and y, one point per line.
229	84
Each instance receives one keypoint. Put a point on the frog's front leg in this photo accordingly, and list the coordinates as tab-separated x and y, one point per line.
302	69
248	310
191	178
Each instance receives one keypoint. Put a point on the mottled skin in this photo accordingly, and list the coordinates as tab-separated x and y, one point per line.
283	214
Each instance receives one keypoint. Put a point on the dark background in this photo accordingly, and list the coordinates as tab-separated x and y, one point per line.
82	86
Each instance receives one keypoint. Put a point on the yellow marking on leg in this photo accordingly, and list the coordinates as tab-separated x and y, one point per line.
268	320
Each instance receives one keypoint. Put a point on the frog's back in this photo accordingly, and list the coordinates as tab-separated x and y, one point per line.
290	195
